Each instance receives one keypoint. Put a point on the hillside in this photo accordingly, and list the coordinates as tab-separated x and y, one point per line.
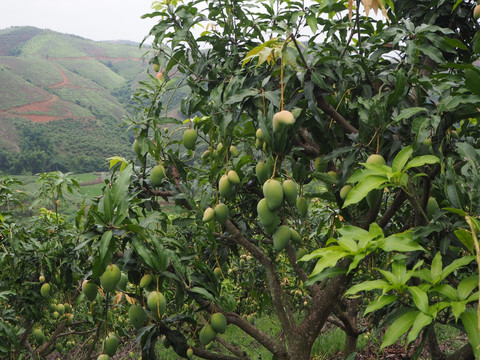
62	99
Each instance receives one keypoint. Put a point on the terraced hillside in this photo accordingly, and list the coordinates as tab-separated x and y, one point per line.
63	87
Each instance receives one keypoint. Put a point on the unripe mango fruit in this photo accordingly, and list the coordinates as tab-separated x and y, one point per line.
157	303
233	177
157	175
207	334
219	323
189	139
281	119
233	151
295	236
145	280
261	170
208	214
376	159
432	206
273	192
476	12
103	357
122	283
221	213
281	237
344	191
38	335
110	278
224	186
90	290
110	344
189	352
45	289
266	216
290	191
259	135
136	315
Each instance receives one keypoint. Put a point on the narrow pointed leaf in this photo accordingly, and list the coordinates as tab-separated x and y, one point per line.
367	286
419	297
362	189
466	286
422	160
379	303
420	322
470	322
399	327
401	158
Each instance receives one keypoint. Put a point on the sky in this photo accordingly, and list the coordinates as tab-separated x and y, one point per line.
92	19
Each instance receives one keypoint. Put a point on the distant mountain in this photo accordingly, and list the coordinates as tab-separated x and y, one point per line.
62	99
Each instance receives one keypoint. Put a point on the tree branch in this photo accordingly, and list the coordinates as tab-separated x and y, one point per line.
335	115
285	314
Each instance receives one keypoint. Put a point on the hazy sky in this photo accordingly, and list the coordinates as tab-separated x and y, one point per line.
92	19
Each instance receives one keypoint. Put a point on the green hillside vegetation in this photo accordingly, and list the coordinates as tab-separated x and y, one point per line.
63	99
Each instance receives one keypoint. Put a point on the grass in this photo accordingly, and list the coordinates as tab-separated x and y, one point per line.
326	345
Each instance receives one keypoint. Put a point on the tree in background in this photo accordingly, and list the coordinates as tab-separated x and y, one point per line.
327	172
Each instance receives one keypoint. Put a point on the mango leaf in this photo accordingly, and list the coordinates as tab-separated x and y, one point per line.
409	112
326	274
466	238
447	291
399	327
401	158
472	81
419	323
108	205
432	52
312	23
362	189
422	160
456	264
458	307
420	298
367	286
400	242
380	302
205	294
468	152
436	268
399	92
466	286
328	261
452	190
470	322
120	187
143	252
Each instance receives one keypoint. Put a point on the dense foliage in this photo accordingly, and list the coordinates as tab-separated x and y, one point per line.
328	172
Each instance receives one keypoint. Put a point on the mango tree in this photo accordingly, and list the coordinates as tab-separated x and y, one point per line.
327	160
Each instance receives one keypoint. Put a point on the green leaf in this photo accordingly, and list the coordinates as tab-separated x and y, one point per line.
205	294
432	52
466	286
456	264
447	291
401	158
470	322
399	92
379	303
328	261
409	112
362	189
120	187
348	244
312	23
399	327
367	286
422	160
468	152
143	252
436	268
105	243
420	322
400	242
420	298
326	274
472	81
108	206
458	307
452	190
